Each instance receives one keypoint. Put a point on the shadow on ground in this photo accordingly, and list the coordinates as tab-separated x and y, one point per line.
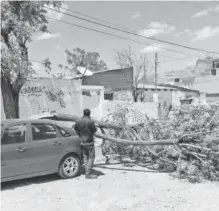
126	166
130	165
30	181
41	179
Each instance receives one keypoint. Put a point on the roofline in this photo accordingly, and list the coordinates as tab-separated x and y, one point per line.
112	70
179	88
102	71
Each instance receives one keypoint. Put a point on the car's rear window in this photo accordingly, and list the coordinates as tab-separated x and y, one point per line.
14	134
63	132
43	131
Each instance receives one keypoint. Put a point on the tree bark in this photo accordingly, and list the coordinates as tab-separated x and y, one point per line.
10	99
139	142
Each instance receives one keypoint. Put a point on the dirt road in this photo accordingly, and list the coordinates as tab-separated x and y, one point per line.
118	188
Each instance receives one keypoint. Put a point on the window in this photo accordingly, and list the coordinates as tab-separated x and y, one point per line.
108	96
43	131
63	132
14	134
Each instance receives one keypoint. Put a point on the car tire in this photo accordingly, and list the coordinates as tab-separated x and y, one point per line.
69	166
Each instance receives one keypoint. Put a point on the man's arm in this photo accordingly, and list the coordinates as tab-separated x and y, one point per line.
76	128
93	128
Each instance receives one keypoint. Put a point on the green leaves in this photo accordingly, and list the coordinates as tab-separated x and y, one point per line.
20	21
80	58
47	64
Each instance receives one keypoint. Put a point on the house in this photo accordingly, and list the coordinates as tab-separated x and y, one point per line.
118	85
207	84
181	93
114	81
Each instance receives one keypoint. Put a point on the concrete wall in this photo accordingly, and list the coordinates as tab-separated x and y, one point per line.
123	95
94	100
207	84
126	95
211	98
34	98
177	96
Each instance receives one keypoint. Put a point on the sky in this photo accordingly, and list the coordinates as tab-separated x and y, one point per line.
193	24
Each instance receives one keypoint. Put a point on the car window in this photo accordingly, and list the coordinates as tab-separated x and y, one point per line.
63	132
14	134
42	131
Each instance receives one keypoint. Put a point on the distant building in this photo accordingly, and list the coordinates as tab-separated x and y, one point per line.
115	79
118	85
207	84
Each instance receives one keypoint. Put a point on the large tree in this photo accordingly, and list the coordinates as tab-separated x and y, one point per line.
127	58
78	57
20	21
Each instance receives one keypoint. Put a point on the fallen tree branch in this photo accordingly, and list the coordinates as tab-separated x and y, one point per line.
146	142
73	118
152	152
195	147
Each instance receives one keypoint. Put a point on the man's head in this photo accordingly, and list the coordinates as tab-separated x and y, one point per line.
87	112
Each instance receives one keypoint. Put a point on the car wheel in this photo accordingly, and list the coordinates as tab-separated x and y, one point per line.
69	167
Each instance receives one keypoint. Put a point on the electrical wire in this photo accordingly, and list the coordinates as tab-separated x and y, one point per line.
180	58
132	33
114	35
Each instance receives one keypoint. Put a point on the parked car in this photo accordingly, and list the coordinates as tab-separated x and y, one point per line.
32	148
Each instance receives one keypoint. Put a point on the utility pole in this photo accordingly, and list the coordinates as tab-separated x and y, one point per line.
144	81
155	76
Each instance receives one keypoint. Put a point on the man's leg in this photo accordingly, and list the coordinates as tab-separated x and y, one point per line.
85	157
91	157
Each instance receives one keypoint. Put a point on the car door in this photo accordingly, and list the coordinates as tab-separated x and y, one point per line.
14	154
44	146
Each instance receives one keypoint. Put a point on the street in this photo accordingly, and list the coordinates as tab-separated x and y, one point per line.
118	187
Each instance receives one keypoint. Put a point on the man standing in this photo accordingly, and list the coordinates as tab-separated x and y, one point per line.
85	129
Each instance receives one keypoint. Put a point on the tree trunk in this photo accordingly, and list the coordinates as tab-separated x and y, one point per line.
10	100
135	96
139	142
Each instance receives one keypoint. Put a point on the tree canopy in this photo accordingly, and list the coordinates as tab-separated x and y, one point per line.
20	21
78	57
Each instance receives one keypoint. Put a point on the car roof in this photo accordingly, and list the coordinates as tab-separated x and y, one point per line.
8	122
11	121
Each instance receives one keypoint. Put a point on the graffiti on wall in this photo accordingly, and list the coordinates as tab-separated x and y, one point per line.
33	90
51	93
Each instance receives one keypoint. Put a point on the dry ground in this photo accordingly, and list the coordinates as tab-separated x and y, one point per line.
119	187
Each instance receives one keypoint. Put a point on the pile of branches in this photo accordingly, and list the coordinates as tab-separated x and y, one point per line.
191	149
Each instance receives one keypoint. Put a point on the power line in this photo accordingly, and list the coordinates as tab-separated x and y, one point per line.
132	33
95	18
215	79
175	58
114	35
155	68
98	31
